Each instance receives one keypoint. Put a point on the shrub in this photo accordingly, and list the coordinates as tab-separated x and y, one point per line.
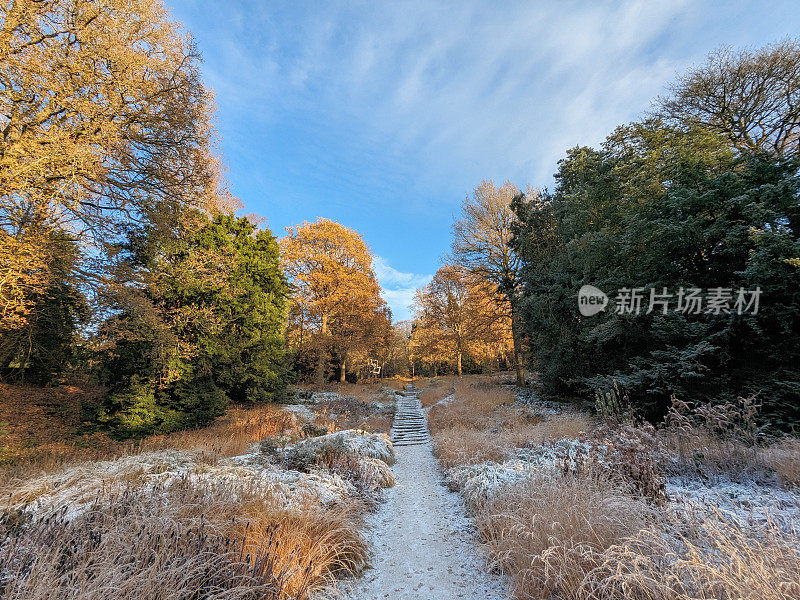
137	412
630	456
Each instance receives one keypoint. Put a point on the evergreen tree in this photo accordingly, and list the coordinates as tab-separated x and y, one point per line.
659	207
207	327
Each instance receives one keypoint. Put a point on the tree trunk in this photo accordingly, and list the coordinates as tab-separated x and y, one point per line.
342	372
459	364
516	335
320	376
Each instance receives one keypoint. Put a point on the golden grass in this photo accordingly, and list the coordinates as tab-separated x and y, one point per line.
185	541
549	533
473	403
38	442
713	560
587	536
464	445
348	412
434	391
784	458
229	435
482	424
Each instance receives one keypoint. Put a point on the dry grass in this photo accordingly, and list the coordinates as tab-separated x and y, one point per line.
784	458
473	403
348	412
230	435
604	531
583	538
464	445
715	440
367	406
40	425
39	428
434	390
548	533
713	560
187	541
235	539
483	424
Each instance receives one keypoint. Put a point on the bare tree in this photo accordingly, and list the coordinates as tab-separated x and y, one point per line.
481	242
751	97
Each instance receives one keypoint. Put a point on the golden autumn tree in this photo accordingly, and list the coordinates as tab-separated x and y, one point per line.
23	271
104	122
336	312
482	243
460	314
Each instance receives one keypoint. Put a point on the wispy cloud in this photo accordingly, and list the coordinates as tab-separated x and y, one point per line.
397	287
502	91
385	114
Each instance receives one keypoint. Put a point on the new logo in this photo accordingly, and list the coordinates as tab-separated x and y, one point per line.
591	300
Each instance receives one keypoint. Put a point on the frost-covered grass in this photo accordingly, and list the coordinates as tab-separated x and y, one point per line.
360	443
482	422
208	513
369	407
189	539
548	531
77	487
705	507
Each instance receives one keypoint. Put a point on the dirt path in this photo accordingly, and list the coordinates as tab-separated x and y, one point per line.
421	541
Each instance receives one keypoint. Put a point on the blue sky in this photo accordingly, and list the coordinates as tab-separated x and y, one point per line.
384	115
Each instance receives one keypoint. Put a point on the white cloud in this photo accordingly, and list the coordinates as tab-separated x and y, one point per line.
397	287
389	277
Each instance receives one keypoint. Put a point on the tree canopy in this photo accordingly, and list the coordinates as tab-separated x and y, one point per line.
460	314
337	313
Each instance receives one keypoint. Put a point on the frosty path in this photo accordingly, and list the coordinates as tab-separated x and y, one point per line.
420	539
410	426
